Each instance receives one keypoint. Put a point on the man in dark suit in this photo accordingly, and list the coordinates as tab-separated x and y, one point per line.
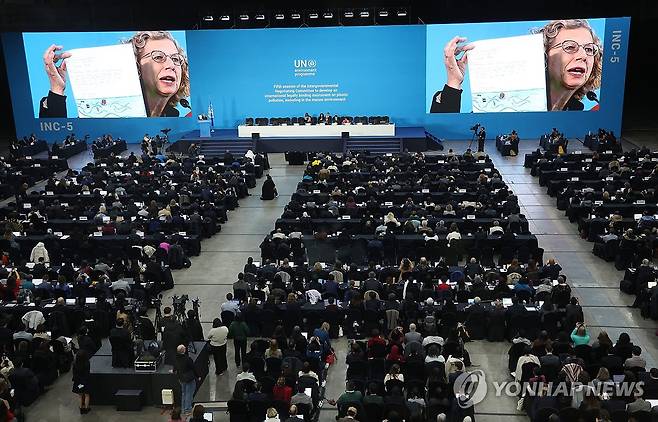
482	135
123	354
371	283
172	336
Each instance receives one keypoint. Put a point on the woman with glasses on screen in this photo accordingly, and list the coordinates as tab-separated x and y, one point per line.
573	61
161	64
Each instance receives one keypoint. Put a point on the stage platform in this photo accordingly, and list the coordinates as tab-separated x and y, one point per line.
106	380
410	138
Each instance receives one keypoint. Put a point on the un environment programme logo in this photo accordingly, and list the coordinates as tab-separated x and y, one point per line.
470	388
305	67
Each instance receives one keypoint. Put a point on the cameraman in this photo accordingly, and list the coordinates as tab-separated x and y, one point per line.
482	135
173	335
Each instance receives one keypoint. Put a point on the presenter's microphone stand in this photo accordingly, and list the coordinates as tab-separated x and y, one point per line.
475	132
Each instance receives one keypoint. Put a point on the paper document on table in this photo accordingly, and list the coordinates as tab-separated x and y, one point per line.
105	82
508	74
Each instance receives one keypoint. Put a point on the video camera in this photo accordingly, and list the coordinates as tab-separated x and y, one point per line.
476	127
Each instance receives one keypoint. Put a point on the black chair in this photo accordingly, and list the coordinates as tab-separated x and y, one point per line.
583	351
642	416
570	414
258	409
357	370
373	412
238	410
273	366
544	413
377	369
249	121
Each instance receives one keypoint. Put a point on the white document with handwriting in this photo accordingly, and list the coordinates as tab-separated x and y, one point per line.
508	74
105	82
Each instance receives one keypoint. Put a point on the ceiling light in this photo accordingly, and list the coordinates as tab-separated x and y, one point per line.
328	15
225	18
244	17
364	14
208	18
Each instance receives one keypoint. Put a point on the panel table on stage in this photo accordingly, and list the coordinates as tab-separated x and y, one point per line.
335	130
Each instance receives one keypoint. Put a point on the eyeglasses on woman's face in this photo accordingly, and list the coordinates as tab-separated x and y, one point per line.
572	47
161	57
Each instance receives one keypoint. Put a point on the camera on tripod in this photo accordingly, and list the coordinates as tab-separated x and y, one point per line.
476	127
178	303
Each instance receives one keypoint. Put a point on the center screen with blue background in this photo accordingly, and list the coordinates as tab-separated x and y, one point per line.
376	70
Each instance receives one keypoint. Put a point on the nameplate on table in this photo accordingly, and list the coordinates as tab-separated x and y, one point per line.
182	233
201	156
27	205
608	152
347	217
120	164
49	305
28	157
575	179
90	300
103	192
480	161
106	219
55	157
82	218
564	169
462	190
640	202
98	234
651	284
316	191
588	160
16	233
64	204
50	193
441	161
609	178
388	204
425	191
487	169
388	154
578	152
598	202
58	234
86	192
654	159
470	217
36	165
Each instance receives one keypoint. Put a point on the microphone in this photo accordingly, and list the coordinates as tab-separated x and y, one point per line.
186	104
591	95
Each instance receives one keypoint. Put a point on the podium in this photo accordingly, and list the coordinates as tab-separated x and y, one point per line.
204	128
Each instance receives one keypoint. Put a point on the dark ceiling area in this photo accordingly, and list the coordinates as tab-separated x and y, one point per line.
82	15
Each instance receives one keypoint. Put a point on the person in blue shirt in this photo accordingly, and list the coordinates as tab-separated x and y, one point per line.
63	286
523	285
27	284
